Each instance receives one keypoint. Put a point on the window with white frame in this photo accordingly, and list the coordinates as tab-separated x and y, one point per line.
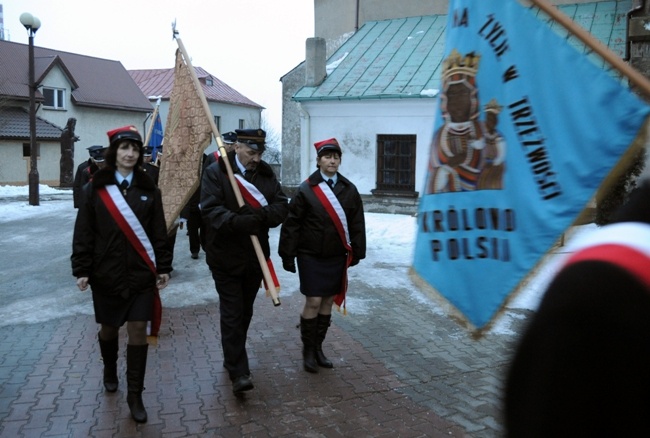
54	98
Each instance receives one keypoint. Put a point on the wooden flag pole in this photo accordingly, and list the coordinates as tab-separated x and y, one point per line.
153	122
268	278
615	61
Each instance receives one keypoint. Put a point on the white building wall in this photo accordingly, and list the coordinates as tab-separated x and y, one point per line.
91	127
14	168
356	124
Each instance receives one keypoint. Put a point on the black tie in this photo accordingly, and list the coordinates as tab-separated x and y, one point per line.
123	186
248	175
330	182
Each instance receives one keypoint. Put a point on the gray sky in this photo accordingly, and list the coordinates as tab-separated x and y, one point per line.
248	44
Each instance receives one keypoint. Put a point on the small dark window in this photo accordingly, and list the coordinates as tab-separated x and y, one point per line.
26	149
241	124
217	122
396	163
208	82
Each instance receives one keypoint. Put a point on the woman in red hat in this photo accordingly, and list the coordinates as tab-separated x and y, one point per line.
120	249
326	233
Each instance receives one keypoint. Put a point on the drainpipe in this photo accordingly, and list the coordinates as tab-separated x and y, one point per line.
305	143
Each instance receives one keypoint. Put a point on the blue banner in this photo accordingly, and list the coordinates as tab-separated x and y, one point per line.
156	139
526	130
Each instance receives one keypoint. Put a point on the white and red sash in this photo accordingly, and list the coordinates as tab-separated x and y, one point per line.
256	199
128	222
251	194
625	244
334	209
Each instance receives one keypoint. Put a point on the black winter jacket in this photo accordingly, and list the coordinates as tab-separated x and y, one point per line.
101	251
309	230
226	249
84	174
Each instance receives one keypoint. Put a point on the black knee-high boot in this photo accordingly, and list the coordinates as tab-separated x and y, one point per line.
308	336
136	363
321	331
109	356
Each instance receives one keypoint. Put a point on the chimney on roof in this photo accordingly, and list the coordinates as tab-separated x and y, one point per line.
2	25
315	68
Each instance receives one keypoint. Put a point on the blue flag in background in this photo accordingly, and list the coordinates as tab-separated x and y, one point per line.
526	130
156	139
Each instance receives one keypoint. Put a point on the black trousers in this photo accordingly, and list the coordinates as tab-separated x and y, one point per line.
237	295
194	222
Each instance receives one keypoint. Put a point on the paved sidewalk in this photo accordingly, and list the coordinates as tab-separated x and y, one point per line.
396	375
402	369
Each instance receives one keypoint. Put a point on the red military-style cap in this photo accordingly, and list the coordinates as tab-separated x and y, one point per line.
331	144
129	132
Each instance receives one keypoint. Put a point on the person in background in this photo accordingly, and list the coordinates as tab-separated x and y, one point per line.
151	168
191	216
191	213
230	254
325	245
86	170
120	213
580	367
229	139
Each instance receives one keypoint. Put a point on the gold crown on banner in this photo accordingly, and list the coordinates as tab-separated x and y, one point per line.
493	107
457	64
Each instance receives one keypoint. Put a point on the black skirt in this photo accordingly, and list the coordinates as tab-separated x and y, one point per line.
321	277
115	310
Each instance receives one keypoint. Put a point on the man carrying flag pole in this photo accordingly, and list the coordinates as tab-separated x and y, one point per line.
189	129
230	253
516	95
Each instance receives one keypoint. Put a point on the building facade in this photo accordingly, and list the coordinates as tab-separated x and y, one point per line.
383	113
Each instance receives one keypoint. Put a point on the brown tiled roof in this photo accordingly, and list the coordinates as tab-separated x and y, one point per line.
159	82
14	125
95	82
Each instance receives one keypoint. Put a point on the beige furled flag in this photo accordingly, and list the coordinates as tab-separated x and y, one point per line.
187	134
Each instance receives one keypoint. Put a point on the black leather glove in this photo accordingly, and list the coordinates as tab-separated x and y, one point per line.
245	210
289	265
248	210
354	262
261	213
246	223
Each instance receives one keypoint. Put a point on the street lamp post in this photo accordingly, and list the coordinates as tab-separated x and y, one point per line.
32	24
